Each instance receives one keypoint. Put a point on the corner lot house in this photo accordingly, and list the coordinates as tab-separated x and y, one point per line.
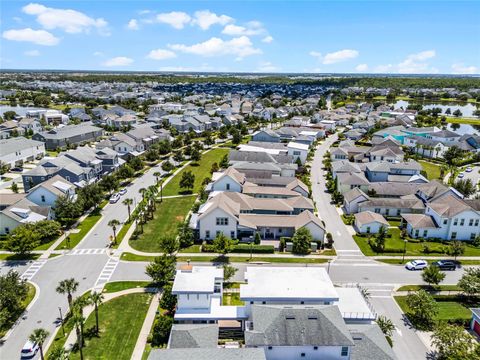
15	151
22	212
47	193
367	222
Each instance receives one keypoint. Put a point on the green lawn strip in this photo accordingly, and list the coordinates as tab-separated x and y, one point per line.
28	299
84	227
121	234
432	170
146	351
428	287
232	299
200	170
451	308
394	246
459	120
192	249
168	215
53	255
124	285
121	320
126	256
17	257
46	245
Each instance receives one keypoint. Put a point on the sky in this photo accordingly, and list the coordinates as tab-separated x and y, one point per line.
401	37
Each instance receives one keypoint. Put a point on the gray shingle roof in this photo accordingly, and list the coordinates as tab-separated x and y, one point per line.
370	343
193	336
297	326
208	354
13	145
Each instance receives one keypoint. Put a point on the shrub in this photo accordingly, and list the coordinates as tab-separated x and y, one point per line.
244	249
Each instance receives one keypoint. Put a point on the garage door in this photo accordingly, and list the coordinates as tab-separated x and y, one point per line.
476	327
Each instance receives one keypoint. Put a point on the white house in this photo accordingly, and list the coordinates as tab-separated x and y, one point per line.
47	192
298	151
17	150
367	222
22	212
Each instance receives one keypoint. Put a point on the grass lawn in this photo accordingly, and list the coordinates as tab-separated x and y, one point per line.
121	234
432	170
168	215
200	170
191	249
14	257
120	322
451	308
126	256
47	245
459	120
232	299
394	245
85	226
124	285
427	287
30	295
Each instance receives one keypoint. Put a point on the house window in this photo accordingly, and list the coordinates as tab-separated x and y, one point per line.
269	348
462	222
425	233
368	229
398	212
227	186
251	302
416	233
454	235
455	221
387	212
470	223
7	230
264	302
476	222
445	222
222	221
302	354
377	211
344	351
296	153
68	178
472	236
315	348
232	234
207	234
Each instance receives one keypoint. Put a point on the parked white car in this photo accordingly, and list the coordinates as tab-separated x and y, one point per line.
114	198
29	350
416	265
123	191
461	175
468	169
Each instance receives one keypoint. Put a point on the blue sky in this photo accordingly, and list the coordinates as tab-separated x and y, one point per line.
243	36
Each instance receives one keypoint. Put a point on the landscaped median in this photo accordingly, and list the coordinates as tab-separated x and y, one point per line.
83	228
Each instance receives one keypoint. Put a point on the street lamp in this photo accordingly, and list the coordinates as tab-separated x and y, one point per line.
61	320
404	249
328	269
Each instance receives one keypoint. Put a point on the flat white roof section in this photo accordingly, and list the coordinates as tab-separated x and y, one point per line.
201	279
216	311
353	305
288	283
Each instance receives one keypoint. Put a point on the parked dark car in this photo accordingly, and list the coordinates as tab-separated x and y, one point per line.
445	264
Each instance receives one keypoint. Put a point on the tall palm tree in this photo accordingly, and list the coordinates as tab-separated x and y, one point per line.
161	191
113	224
128	202
152	190
96	299
142	191
157	176
79	322
79	304
68	286
38	336
58	353
386	325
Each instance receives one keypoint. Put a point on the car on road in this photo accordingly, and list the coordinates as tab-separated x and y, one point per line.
445	264
468	169
16	169
123	191
461	175
114	198
29	350
416	265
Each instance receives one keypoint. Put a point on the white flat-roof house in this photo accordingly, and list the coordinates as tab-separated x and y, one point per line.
298	151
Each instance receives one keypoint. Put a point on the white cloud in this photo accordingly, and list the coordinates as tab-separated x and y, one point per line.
315	54
339	56
98	53
416	63
32	53
40	37
71	21
161	54
239	46
267	66
118	61
361	67
250	29
461	68
267	39
205	18
176	19
133	24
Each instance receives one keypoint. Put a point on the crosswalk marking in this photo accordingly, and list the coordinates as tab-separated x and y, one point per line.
106	273
33	269
87	252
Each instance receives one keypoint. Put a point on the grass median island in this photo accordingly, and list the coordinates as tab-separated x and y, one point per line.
394	245
5	326
83	228
168	215
200	170
428	288
451	308
432	170
120	321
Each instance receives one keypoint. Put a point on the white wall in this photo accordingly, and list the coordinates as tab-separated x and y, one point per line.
29	153
295	353
221	185
190	301
209	223
298	153
317	232
36	197
7	222
374	227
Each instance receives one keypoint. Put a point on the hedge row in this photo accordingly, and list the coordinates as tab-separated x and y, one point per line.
244	248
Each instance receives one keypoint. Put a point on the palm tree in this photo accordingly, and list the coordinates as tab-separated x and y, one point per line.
161	191
386	325
96	299
142	191
58	353
128	202
79	322
152	194
68	286
79	303
113	224
38	336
